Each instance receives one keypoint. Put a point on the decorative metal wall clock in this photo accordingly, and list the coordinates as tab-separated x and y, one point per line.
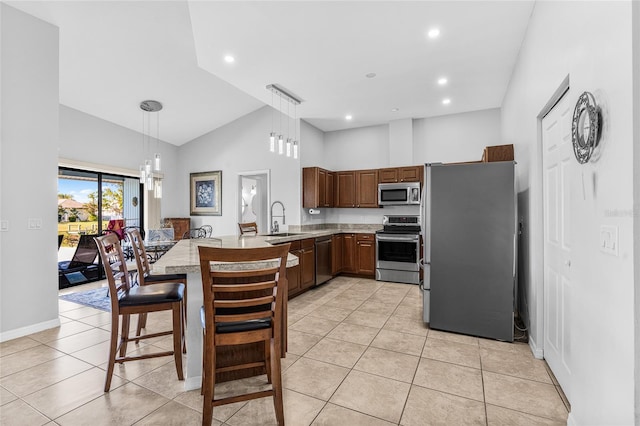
585	127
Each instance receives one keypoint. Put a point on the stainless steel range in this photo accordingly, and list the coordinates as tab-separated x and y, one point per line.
398	250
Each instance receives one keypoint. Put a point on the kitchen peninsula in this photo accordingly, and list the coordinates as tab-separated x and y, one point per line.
183	258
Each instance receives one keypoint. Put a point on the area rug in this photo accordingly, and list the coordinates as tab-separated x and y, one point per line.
97	298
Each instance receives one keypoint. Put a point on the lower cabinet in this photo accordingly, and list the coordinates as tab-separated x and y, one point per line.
307	259
293	273
365	254
337	256
349	253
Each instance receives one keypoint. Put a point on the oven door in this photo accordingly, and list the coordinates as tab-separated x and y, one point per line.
398	251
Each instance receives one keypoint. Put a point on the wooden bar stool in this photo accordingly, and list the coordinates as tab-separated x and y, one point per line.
127	300
145	277
248	228
243	307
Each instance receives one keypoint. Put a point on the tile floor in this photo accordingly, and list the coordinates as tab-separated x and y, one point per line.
359	354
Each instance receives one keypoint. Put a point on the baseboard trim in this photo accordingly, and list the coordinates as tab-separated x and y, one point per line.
30	329
537	352
192	383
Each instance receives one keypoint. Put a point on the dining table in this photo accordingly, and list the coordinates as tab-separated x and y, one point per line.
183	258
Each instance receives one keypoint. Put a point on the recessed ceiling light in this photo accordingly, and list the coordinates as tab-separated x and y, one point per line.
395	109
433	33
370	75
446	101
442	81
229	59
348	117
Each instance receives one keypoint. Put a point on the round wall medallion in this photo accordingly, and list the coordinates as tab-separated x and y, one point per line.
585	127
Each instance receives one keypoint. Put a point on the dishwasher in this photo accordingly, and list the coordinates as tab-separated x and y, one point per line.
323	259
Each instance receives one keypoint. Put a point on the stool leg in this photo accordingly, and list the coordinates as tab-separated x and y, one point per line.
209	379
113	348
276	378
177	338
267	360
124	335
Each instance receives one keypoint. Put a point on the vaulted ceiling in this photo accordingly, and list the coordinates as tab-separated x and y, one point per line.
113	55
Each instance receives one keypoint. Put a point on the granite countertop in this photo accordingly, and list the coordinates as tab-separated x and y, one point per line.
184	258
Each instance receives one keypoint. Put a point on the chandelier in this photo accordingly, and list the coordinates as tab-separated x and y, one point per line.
150	169
287	143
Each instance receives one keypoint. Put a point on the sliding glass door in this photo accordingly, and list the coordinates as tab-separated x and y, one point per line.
90	204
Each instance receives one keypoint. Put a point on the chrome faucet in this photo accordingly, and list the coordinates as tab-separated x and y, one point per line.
275	227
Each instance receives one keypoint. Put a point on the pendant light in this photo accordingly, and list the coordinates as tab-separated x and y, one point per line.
288	145
288	134
280	137
149	170
295	132
272	135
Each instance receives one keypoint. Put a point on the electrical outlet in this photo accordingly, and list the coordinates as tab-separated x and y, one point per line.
609	239
34	223
4	225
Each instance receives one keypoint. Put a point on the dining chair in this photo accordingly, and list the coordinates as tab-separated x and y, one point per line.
208	230
248	227
127	300
194	233
145	276
243	306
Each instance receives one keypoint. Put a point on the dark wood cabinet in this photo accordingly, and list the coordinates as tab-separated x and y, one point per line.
337	254
345	189
329	189
401	174
389	175
357	188
293	273
307	259
317	188
366	188
349	253
365	254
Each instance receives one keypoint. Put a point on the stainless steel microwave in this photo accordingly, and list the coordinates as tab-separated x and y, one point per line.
399	194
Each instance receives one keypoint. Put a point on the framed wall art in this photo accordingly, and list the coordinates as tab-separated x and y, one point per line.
206	193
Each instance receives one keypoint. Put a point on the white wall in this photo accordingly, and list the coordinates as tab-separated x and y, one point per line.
28	159
354	149
636	196
456	137
239	146
590	42
311	146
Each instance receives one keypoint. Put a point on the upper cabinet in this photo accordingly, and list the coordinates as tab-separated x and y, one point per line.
367	188
345	189
401	174
351	188
357	188
317	188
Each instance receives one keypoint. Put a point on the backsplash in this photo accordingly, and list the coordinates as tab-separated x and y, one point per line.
340	226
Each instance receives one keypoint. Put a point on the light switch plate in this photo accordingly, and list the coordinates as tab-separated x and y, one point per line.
34	223
609	239
4	225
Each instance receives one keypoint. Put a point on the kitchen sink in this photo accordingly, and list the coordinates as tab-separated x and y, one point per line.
283	234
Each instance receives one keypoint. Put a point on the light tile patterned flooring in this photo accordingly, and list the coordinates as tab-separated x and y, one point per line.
359	354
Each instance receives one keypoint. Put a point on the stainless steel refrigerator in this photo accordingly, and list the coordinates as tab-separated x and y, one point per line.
470	240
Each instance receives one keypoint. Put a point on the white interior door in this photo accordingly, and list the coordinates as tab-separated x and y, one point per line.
557	160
